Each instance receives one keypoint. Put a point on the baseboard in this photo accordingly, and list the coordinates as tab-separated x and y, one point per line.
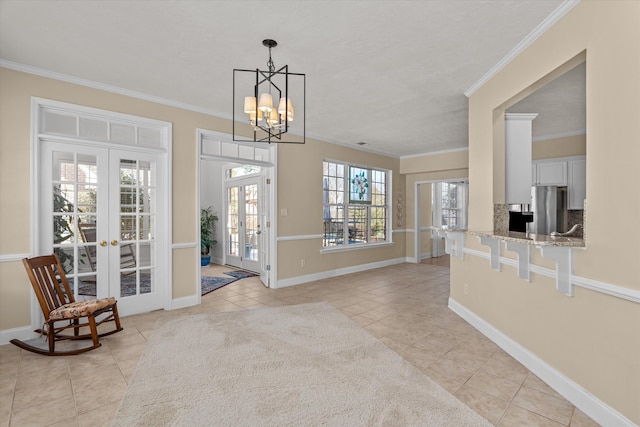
425	255
21	333
184	302
574	393
298	280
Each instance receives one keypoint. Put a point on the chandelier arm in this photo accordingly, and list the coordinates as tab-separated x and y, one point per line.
272	121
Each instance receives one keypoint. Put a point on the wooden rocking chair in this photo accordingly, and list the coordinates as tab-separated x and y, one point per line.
59	305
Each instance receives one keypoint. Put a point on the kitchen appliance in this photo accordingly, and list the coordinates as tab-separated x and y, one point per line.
549	207
518	220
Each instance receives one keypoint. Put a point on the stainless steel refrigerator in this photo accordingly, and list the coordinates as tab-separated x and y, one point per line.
549	207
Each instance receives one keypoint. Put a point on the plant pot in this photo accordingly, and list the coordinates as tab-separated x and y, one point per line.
205	260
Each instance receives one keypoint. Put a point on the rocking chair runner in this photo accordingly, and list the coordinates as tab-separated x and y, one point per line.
59	305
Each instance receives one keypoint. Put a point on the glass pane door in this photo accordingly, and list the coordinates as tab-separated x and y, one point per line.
73	187
132	264
98	213
251	242
243	229
232	225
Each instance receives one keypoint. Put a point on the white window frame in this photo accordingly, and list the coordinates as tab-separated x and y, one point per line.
346	204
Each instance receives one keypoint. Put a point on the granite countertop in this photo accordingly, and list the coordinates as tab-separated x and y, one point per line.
532	239
448	228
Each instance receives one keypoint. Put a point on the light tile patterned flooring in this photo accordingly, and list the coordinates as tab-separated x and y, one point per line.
405	306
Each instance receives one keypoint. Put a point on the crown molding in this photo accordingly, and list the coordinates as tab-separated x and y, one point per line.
434	153
109	88
550	20
155	99
559	135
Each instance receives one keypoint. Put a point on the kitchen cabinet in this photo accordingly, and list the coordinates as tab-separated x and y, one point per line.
518	138
567	171
549	173
577	183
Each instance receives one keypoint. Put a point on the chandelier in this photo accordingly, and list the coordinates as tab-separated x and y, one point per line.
269	108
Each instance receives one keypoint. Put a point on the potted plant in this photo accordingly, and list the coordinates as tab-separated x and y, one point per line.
208	220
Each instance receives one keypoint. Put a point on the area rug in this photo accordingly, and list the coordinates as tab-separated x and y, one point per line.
240	274
301	365
210	284
127	286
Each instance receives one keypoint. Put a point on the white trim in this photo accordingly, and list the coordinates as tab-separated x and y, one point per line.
184	302
109	88
573	392
549	21
354	247
559	135
36	315
607	288
21	333
299	237
271	173
352	146
13	257
558	159
425	255
434	153
187	245
164	156
402	230
584	282
417	214
298	280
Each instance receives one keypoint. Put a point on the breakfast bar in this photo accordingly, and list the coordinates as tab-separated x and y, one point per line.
558	248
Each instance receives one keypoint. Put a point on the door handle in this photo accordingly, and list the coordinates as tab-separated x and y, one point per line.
258	232
114	243
103	243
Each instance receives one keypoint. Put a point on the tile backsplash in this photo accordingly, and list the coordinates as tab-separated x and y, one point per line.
576	217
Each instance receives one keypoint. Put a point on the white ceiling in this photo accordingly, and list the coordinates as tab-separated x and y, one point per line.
389	73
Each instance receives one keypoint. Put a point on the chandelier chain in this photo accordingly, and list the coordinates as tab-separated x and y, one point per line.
270	64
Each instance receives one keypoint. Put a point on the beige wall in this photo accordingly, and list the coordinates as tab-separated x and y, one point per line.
427	168
560	147
591	338
300	193
299	188
436	162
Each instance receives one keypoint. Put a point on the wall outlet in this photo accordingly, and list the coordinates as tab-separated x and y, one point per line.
466	289
284	212
302	263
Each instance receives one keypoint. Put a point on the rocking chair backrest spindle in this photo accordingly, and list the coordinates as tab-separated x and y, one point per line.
49	282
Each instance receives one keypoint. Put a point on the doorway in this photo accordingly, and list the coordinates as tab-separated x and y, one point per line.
238	181
439	204
243	224
102	208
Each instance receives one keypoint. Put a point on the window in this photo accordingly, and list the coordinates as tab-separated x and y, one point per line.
355	208
450	204
238	171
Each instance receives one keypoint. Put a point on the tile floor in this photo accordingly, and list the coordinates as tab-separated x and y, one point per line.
404	305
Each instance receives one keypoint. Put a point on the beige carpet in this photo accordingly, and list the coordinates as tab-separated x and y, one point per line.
302	365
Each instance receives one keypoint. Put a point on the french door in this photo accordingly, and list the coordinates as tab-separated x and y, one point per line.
99	213
244	224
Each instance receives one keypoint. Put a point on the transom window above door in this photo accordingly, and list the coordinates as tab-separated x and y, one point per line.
238	171
355	205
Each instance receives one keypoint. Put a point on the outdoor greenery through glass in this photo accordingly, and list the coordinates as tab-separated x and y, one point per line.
355	210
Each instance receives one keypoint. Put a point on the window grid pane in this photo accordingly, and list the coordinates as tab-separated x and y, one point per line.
333	203
365	223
